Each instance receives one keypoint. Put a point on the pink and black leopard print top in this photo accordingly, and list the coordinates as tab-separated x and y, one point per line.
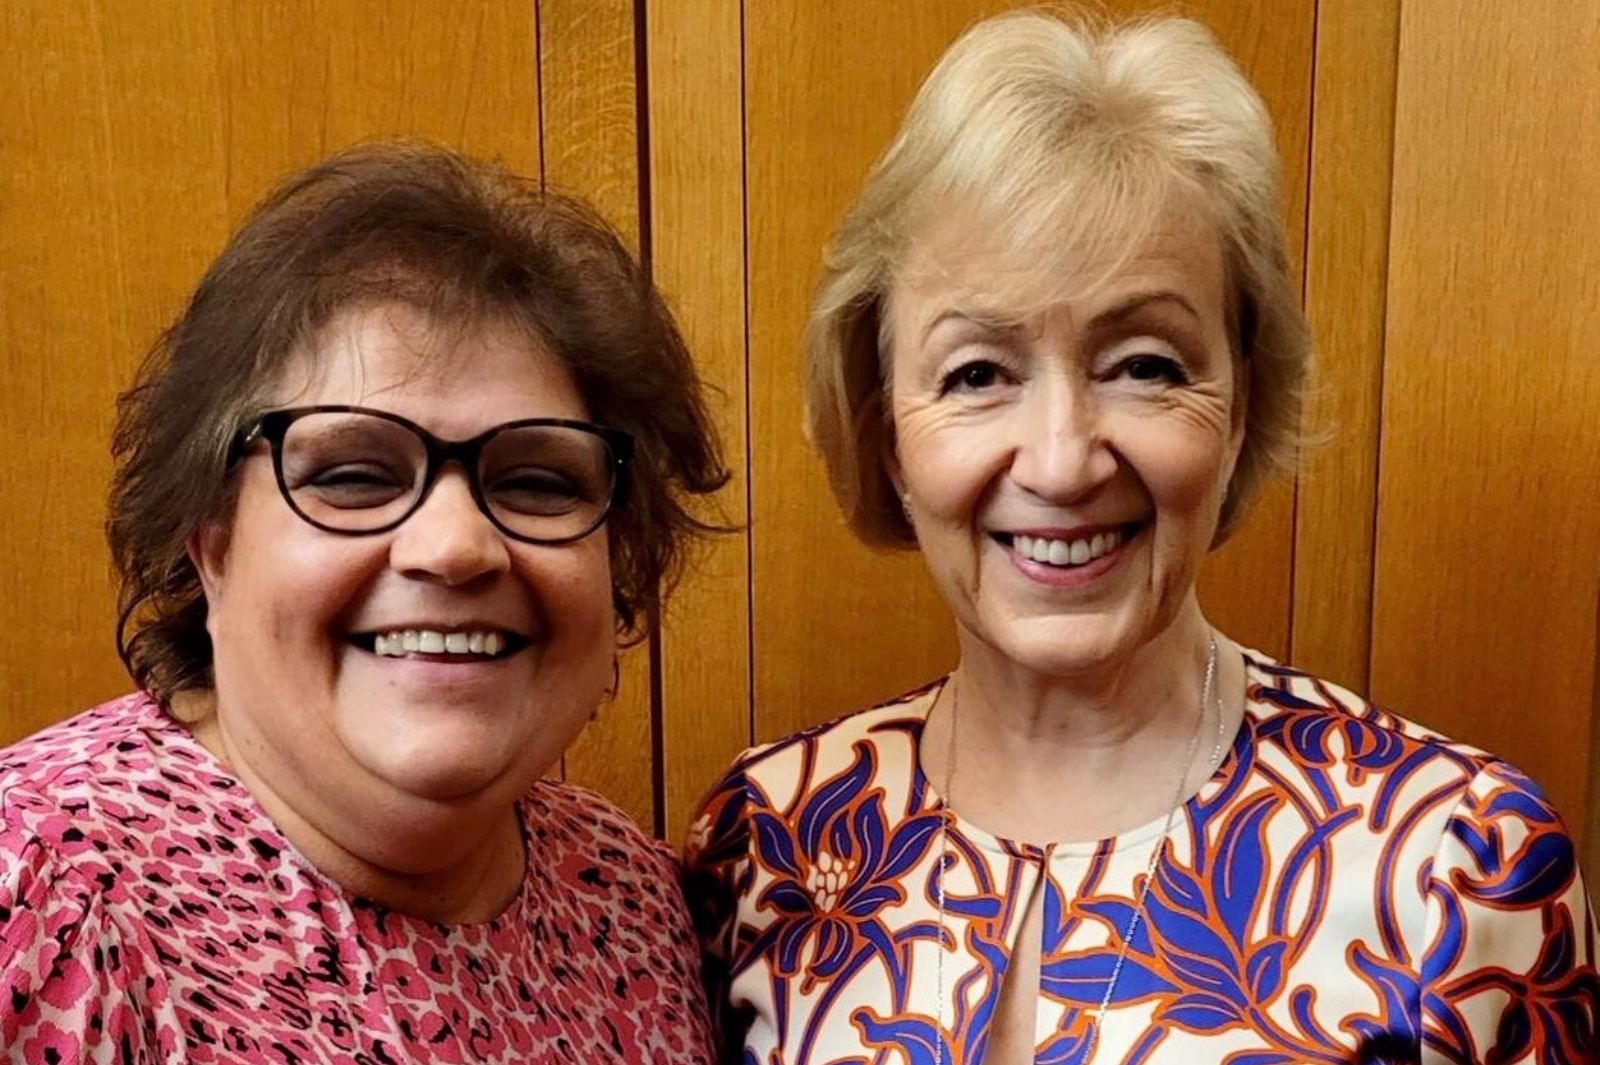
150	912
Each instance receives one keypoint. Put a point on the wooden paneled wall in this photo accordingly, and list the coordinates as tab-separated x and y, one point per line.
1441	549
133	136
1485	586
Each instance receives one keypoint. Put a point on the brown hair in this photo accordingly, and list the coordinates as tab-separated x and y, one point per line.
1071	136
461	240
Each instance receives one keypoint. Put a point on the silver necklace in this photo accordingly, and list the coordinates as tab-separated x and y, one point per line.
1208	696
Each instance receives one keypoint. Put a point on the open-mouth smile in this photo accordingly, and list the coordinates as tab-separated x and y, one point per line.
1069	551
441	644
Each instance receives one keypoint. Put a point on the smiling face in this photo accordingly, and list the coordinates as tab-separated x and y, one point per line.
298	615
1063	463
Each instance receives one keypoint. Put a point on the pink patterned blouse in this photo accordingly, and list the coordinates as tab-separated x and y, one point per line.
150	912
1347	888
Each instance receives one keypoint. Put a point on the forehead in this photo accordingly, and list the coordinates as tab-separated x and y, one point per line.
448	376
960	261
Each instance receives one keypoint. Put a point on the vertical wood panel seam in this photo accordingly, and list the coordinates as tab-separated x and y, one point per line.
645	190
1383	355
538	85
560	768
1305	299
749	441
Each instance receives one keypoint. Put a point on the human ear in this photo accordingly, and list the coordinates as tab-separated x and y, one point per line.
207	548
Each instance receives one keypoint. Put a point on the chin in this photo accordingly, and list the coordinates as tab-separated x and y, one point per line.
440	780
1063	646
443	765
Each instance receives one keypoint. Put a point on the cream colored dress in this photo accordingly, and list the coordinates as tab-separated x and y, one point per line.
1348	887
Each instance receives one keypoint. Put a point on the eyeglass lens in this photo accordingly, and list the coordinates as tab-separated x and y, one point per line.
357	473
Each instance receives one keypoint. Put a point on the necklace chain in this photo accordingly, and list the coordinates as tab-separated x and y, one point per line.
1208	696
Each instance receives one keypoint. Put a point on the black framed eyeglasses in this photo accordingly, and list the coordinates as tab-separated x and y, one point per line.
359	472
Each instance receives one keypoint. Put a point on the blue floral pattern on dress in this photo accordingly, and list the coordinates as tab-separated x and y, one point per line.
1348	887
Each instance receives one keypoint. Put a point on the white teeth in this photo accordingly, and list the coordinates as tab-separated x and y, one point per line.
1066	552
397	643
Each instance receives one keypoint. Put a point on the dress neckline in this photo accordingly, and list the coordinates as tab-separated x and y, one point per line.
165	731
1138	836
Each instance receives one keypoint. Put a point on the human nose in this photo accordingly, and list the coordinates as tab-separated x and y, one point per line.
448	539
1060	451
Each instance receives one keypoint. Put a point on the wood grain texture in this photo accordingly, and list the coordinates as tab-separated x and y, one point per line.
696	164
1246	585
134	137
1347	262
589	129
837	627
1488	551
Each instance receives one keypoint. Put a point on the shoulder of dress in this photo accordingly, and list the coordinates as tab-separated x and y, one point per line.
79	746
97	788
1283	696
582	817
900	717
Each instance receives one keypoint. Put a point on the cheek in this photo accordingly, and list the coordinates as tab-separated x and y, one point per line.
284	587
1185	476
573	586
943	467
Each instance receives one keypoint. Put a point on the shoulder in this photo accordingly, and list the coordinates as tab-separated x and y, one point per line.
1320	723
127	798
74	968
583	826
86	775
810	776
878	742
1403	776
76	750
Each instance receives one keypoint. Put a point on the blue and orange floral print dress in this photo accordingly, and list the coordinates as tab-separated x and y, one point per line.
1348	887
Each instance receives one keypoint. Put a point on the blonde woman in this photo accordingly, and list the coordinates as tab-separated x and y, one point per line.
1057	348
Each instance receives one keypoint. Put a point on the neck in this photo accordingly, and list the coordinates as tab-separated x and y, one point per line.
1083	756
1048	718
472	865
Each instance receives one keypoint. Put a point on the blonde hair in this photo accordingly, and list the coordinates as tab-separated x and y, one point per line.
1073	138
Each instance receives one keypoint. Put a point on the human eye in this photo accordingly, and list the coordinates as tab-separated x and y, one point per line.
365	483
976	375
1152	368
352	485
540	490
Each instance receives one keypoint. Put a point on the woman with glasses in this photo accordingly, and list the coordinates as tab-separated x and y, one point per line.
411	463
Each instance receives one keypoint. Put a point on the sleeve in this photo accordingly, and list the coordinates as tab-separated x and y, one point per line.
73	989
680	945
717	874
1509	971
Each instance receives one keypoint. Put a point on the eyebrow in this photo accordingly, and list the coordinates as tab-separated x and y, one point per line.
994	323
1115	315
1137	302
